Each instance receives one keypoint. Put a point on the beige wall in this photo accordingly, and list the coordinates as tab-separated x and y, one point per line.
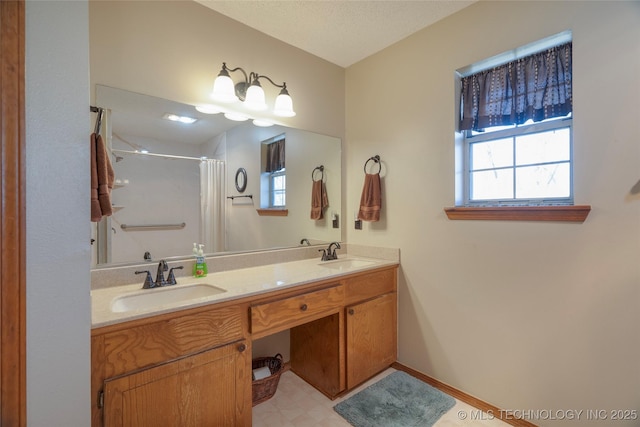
523	315
175	49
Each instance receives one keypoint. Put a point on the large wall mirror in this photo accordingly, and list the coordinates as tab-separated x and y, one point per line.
176	183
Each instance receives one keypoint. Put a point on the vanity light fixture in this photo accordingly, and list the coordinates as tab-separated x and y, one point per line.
250	92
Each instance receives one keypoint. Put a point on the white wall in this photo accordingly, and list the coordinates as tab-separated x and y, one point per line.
523	315
57	160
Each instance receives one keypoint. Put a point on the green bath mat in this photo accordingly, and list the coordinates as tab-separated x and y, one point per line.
398	400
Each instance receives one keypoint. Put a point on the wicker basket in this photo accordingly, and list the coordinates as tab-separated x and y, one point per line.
265	388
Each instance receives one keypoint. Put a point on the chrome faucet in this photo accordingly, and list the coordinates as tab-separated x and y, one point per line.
329	253
162	267
149	283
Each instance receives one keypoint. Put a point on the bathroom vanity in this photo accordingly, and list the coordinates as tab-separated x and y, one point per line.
191	365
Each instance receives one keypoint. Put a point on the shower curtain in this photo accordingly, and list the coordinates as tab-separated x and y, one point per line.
212	205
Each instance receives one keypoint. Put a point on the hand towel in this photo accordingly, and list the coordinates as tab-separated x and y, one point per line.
319	199
106	177
371	199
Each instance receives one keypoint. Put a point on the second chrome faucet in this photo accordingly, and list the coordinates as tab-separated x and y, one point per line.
330	253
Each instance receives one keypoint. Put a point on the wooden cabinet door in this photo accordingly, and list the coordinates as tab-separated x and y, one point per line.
371	338
207	389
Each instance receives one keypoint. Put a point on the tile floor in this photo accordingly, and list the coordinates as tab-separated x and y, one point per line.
297	404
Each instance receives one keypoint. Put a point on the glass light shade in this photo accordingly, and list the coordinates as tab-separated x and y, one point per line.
255	98
224	90
284	106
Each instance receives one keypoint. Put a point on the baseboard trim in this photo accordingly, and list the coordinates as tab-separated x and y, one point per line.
464	397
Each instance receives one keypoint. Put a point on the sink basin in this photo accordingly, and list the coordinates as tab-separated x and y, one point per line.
346	264
150	298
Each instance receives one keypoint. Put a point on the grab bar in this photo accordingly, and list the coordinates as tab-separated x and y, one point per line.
153	226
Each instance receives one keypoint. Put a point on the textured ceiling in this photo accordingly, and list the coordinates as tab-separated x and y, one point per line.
341	32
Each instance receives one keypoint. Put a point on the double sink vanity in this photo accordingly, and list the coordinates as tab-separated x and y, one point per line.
181	355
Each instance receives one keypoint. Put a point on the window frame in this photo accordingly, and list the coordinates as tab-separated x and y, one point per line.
553	213
266	183
273	190
468	139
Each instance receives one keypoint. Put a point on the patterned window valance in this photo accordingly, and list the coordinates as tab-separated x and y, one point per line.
536	87
275	156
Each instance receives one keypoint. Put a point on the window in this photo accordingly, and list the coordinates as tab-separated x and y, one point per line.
277	189
273	186
528	164
516	128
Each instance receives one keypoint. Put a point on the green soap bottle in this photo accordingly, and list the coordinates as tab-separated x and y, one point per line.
200	266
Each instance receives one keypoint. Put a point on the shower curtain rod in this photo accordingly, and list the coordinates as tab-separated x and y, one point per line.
166	156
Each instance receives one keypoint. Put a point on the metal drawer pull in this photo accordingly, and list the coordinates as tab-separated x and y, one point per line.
352	311
303	307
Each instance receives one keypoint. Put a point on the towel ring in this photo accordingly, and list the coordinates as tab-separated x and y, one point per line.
321	169
376	159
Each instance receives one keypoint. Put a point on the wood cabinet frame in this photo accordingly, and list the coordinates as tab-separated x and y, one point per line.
314	312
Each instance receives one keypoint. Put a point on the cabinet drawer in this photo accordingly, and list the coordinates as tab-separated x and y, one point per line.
161	341
370	285
293	311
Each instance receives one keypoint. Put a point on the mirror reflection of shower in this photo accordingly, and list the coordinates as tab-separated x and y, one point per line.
166	201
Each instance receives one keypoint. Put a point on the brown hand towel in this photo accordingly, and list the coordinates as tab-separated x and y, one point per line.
96	212
371	199
105	177
319	199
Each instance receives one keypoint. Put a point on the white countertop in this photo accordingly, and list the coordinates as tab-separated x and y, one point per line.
236	284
